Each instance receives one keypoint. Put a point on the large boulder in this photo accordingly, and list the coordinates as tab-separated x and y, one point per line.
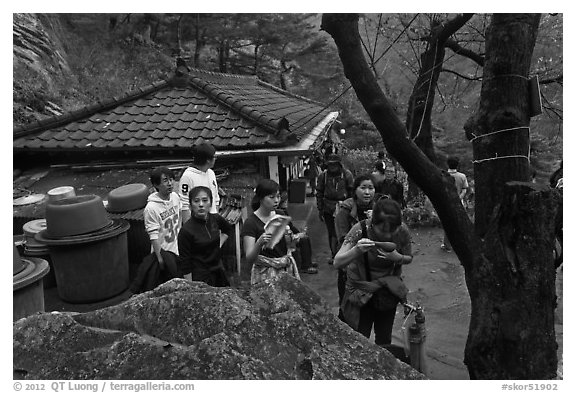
189	330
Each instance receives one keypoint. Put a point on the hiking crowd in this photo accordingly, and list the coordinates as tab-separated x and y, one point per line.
369	243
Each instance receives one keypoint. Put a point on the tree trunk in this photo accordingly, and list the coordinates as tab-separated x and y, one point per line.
198	40
283	69
508	264
223	53
421	102
179	35
513	288
256	62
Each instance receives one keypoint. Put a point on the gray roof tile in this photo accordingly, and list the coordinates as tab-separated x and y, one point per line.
229	111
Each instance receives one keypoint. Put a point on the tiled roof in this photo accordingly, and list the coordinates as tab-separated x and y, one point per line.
229	111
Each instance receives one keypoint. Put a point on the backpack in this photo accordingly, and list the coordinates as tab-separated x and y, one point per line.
336	189
394	189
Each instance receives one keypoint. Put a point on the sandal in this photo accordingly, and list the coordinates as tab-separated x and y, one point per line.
310	270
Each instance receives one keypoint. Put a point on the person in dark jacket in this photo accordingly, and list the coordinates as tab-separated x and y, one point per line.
350	212
150	275
334	185
303	252
200	241
384	185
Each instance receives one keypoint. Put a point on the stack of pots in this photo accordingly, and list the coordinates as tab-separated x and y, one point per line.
27	286
33	248
89	251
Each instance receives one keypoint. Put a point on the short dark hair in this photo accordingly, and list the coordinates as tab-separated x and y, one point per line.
264	188
202	153
387	207
196	190
453	162
156	175
380	167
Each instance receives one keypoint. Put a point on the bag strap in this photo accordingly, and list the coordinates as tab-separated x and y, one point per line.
365	235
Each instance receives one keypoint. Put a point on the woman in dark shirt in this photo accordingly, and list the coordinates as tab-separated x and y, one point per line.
200	241
266	262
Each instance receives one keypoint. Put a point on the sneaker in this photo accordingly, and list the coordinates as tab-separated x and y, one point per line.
314	264
445	248
310	270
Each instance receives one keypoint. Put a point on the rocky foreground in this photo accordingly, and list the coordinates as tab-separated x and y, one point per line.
183	330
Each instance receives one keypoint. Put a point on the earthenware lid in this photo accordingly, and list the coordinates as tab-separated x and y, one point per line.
28	199
128	197
116	228
34	270
75	215
33	227
58	193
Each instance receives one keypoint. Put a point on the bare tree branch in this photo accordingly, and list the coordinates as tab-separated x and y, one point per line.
470	78
453	25
457	48
551	108
557	79
442	98
377	35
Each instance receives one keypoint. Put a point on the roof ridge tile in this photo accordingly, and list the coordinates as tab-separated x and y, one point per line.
286	92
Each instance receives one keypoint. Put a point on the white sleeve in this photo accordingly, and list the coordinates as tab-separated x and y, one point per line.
184	186
217	196
178	201
151	223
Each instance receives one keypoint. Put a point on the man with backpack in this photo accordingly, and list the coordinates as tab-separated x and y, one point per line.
461	184
334	185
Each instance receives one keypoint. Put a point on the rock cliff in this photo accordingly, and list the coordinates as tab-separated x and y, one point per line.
183	330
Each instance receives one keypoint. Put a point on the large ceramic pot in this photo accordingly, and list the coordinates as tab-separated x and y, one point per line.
17	264
75	215
91	268
128	197
27	288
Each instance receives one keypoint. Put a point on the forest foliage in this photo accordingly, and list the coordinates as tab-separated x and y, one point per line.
106	55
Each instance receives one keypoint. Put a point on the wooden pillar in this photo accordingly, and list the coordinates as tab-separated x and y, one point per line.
237	241
273	169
